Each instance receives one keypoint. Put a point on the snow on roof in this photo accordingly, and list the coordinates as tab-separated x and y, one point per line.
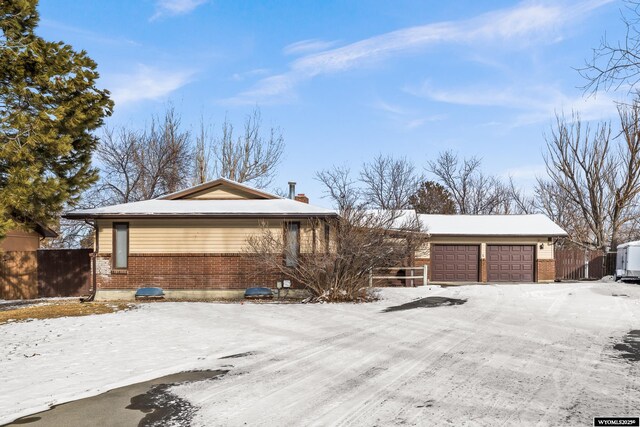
214	182
490	225
211	208
398	219
624	245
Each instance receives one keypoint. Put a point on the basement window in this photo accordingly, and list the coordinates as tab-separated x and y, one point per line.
120	245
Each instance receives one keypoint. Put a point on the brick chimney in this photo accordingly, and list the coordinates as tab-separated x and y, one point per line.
302	198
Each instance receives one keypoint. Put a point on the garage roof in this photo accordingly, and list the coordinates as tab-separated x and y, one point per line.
490	225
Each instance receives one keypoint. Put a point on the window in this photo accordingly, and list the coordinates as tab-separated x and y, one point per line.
314	245
120	245
292	243
327	234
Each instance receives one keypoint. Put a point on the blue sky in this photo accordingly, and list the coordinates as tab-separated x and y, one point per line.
347	80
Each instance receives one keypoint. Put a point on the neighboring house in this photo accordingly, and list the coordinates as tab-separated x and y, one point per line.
192	243
490	248
19	262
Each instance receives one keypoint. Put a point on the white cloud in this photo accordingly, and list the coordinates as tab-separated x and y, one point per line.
87	34
406	118
247	74
533	103
146	83
175	7
307	46
520	25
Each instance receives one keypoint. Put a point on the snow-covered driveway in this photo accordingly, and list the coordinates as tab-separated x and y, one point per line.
510	355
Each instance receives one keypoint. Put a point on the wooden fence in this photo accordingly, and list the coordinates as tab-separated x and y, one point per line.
399	276
577	264
18	275
64	272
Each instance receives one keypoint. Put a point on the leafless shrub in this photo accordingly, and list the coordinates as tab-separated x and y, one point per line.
360	239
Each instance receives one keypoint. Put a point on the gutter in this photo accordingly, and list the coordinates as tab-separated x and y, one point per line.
204	215
499	235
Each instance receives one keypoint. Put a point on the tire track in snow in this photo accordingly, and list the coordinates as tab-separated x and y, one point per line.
268	372
365	403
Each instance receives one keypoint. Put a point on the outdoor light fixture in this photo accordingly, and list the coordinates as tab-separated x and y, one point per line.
541	245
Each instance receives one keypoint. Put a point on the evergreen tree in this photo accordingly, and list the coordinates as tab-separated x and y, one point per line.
433	198
49	106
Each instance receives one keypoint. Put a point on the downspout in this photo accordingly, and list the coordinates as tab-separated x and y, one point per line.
94	278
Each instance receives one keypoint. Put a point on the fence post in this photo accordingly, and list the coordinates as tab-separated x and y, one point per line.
424	275
586	264
371	277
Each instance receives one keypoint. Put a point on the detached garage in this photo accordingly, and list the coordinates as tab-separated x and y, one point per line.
490	248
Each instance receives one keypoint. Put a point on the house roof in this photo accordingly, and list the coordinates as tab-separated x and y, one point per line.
490	225
44	231
205	208
218	198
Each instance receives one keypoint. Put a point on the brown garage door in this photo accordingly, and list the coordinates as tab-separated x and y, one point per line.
454	263
510	263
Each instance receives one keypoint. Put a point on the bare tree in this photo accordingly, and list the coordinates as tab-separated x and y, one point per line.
473	192
577	162
120	172
141	165
520	202
389	182
552	202
614	64
252	157
433	198
624	181
592	177
202	155
165	157
340	188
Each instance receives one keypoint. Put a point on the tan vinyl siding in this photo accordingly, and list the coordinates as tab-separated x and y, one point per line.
222	193
105	236
195	235
17	240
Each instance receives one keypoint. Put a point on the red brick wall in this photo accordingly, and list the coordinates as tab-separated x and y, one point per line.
483	270
186	271
546	270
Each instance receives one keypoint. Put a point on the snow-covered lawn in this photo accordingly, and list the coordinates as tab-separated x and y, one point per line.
510	355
